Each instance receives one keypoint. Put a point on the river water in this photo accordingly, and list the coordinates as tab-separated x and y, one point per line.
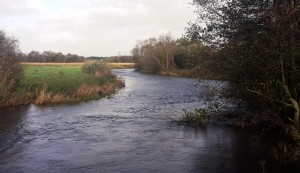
130	132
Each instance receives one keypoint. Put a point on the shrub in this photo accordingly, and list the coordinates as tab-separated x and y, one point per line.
198	118
96	68
10	67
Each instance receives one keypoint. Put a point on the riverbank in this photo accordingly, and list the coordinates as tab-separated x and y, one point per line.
49	83
194	73
284	153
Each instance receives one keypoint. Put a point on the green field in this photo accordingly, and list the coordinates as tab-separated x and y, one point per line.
33	72
59	79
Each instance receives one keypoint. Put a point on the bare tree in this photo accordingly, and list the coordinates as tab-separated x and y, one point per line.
155	54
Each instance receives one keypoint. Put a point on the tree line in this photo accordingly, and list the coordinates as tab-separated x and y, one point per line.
120	59
50	56
166	54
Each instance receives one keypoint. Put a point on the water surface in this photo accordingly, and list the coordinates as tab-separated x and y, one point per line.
129	133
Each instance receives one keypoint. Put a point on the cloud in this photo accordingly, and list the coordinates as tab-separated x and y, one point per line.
16	7
91	27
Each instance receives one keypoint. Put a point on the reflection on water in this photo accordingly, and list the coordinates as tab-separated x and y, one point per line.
11	123
129	133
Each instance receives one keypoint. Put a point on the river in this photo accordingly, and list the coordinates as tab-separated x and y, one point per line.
131	132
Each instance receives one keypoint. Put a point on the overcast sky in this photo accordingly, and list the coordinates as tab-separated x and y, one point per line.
91	27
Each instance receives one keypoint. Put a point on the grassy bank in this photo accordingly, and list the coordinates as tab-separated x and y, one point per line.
52	83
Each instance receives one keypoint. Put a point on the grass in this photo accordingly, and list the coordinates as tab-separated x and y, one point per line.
49	83
53	64
62	78
37	72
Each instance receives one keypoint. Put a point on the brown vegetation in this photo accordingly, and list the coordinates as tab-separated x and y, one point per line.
84	92
121	65
45	97
17	98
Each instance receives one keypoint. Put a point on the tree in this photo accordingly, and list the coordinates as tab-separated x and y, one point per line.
155	54
260	44
166	50
208	28
195	53
35	56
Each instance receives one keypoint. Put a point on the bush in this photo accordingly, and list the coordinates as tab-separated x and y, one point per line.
10	67
96	68
198	118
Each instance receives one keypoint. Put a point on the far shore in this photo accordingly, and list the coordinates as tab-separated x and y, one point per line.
111	65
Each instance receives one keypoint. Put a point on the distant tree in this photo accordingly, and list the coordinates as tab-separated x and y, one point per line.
120	59
166	47
194	52
35	56
50	56
96	58
146	62
155	54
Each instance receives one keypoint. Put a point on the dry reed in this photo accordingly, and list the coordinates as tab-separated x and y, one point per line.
45	97
108	89
121	65
82	93
85	91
